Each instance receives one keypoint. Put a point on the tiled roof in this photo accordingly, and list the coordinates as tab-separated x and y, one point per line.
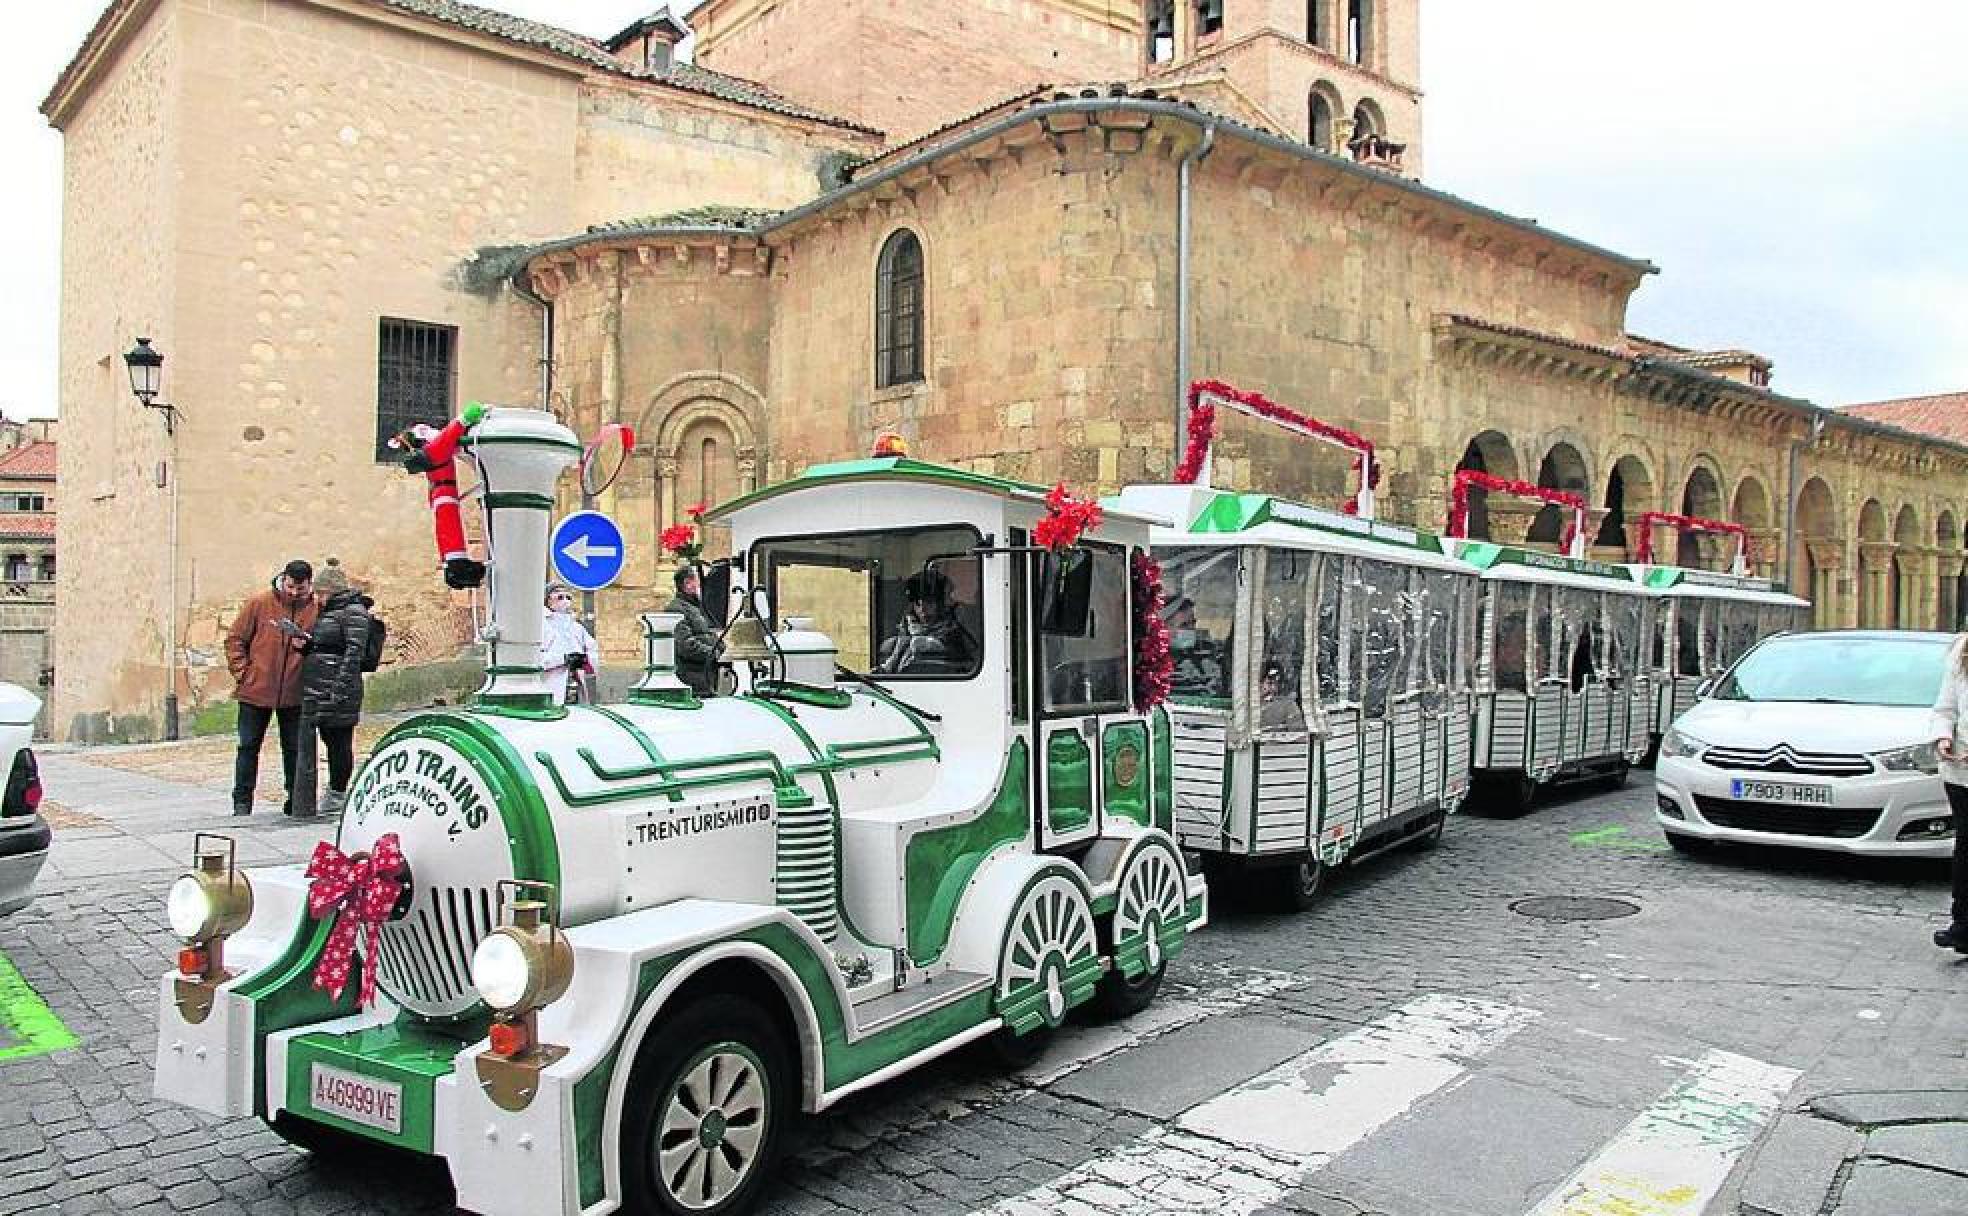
550	38
26	526
711	215
1944	416
35	460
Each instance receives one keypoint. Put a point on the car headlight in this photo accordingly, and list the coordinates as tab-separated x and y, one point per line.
212	901
1675	744
1920	758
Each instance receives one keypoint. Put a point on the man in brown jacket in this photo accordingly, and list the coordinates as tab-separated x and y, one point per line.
263	649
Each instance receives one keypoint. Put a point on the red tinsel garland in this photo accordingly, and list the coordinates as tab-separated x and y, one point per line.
1202	432
1066	519
1154	663
1466	478
1684	523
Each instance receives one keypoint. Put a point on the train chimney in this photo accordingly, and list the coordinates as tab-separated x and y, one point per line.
521	454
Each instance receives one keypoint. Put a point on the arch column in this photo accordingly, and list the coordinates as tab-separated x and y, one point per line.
1510	520
1827	558
1949	566
1765	546
1919	599
1875	575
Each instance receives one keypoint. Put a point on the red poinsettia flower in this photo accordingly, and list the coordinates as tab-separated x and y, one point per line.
696	512
1067	519
680	540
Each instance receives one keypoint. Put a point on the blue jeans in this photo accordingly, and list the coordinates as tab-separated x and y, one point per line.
253	722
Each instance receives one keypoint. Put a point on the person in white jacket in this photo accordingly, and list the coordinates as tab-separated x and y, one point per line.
1950	731
567	649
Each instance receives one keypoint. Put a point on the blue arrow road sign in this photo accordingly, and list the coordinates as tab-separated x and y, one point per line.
588	551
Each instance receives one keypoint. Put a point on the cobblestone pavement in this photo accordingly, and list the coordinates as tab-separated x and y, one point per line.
1786	1011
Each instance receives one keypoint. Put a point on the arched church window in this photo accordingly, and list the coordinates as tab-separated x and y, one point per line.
1365	122
1319	132
899	311
1209	17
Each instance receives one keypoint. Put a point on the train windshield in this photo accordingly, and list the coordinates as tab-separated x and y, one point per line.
901	605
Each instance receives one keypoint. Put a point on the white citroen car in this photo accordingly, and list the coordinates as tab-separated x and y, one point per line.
1816	741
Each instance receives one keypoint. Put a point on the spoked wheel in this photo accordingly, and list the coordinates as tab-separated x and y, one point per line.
1297	887
710	1096
1051	959
1152	899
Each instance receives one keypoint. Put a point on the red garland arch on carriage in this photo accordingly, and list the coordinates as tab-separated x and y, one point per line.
1465	479
1154	663
1202	432
1650	520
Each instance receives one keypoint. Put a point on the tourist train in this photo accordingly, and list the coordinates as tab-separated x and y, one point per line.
594	957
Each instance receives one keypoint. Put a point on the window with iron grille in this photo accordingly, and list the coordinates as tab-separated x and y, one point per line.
416	379
899	311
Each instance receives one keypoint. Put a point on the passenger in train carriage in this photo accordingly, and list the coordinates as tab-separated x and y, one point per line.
1279	708
1198	658
1508	670
929	639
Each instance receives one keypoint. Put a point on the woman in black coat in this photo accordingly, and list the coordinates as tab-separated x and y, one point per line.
331	676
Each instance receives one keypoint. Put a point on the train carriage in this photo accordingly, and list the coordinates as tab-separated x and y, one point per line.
1703	622
1563	691
616	946
1322	689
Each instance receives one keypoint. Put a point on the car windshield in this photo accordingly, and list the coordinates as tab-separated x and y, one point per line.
1839	669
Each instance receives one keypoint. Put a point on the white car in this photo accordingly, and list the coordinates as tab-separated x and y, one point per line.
1815	741
24	836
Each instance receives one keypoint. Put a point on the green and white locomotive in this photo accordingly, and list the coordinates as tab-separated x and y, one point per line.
632	939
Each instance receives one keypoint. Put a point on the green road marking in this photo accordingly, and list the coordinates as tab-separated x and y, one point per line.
27	1026
1613	836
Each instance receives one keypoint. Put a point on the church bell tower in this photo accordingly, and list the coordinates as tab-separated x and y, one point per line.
1341	75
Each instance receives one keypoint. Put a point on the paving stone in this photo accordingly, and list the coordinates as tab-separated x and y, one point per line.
1893	1106
1882	1189
1796	1166
1941	1146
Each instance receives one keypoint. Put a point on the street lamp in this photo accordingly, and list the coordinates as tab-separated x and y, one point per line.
146	364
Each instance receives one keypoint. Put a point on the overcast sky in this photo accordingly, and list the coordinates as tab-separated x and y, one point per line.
1796	168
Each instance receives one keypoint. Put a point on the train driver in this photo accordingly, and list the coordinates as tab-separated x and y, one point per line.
929	639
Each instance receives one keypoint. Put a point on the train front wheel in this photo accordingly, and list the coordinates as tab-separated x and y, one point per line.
711	1097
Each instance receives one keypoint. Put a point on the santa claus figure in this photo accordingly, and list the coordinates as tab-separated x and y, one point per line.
433	452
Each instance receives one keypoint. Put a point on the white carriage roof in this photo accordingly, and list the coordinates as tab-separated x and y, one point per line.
1678	582
1224	518
900	470
1505	563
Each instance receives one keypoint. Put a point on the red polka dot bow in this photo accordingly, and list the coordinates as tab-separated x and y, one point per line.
359	893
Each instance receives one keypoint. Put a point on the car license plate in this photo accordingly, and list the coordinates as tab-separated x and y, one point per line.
359	1099
1780	791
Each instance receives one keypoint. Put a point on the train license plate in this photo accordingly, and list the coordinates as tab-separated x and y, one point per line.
1780	791
359	1099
